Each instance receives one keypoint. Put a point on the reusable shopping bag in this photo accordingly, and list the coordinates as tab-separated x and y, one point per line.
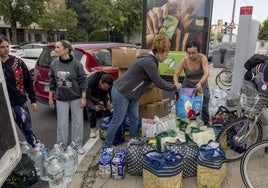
135	153
162	169
189	151
189	102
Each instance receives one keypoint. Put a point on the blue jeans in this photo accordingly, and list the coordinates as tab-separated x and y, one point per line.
121	107
22	118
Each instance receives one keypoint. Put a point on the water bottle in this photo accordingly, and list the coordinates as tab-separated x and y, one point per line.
57	152
44	165
70	163
55	173
172	113
37	159
25	148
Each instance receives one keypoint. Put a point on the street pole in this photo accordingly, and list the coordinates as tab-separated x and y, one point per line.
231	33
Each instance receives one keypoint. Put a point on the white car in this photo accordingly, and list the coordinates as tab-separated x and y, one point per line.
16	50
30	63
32	50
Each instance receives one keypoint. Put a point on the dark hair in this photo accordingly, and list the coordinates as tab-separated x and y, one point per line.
193	43
108	79
2	39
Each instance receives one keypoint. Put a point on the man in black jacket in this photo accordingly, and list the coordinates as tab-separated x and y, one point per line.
98	98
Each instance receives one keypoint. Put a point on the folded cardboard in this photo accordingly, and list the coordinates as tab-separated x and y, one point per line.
159	108
152	94
124	57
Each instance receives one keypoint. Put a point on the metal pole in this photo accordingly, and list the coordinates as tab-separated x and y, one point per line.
231	33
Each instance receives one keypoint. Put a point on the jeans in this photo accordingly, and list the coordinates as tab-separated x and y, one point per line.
77	122
121	107
22	118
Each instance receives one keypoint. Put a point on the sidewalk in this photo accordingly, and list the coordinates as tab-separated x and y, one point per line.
87	172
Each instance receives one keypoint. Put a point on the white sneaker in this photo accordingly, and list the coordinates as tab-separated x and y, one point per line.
93	133
80	151
131	141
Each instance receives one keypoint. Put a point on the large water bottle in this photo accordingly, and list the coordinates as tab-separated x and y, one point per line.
37	159
55	173
25	148
57	152
44	165
70	163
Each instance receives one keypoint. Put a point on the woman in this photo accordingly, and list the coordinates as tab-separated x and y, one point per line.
195	66
128	88
19	85
68	83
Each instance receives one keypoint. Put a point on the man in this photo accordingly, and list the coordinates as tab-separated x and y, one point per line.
98	98
19	85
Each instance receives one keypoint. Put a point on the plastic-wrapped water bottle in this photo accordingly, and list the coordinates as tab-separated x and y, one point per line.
37	159
55	173
44	165
70	163
25	148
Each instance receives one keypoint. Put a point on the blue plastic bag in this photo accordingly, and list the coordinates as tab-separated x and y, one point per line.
189	102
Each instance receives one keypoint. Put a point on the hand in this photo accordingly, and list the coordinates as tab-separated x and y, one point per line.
98	108
34	106
198	85
83	102
110	106
178	85
51	103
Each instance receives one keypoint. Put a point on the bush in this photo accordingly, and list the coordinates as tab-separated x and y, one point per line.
76	35
97	36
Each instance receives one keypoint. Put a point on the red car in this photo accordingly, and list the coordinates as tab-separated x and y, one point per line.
94	57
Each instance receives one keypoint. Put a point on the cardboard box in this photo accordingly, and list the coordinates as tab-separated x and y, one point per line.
124	57
159	108
121	71
153	94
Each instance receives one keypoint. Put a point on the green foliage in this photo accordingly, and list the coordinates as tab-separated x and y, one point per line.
97	36
263	33
76	35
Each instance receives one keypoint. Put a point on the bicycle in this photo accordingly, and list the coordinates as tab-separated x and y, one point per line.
237	136
224	78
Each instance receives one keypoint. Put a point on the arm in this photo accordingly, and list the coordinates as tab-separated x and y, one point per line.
81	80
178	71
205	69
52	87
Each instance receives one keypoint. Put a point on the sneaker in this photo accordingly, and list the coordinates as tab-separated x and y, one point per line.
93	133
80	151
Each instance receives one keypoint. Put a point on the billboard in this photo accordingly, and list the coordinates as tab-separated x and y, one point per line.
181	21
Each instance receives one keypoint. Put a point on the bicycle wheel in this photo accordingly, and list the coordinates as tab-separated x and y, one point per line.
254	166
224	79
231	134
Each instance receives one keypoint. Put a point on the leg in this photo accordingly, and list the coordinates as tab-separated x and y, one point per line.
22	117
92	117
205	110
133	111
63	122
77	123
120	105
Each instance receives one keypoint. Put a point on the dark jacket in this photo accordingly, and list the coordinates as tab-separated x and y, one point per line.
140	75
20	84
94	92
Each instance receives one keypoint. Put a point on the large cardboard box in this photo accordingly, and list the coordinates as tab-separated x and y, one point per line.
159	108
152	94
124	57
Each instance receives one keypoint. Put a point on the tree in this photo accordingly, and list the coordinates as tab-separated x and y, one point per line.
23	12
57	17
263	33
128	17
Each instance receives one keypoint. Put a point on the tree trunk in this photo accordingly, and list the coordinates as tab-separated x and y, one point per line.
14	32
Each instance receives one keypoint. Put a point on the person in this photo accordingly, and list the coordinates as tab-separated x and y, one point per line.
128	88
68	84
19	85
196	69
98	98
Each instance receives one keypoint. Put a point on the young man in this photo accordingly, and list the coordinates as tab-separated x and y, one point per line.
98	98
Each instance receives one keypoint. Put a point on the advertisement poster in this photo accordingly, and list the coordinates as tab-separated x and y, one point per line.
181	21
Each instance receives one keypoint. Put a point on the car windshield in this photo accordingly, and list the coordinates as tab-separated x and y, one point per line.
103	57
48	55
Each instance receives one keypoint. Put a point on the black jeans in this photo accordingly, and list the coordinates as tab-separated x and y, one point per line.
92	116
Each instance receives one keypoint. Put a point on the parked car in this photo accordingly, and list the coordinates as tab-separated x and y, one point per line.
16	50
30	63
32	50
94	57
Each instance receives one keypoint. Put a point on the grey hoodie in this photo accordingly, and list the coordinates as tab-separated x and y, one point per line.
140	75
